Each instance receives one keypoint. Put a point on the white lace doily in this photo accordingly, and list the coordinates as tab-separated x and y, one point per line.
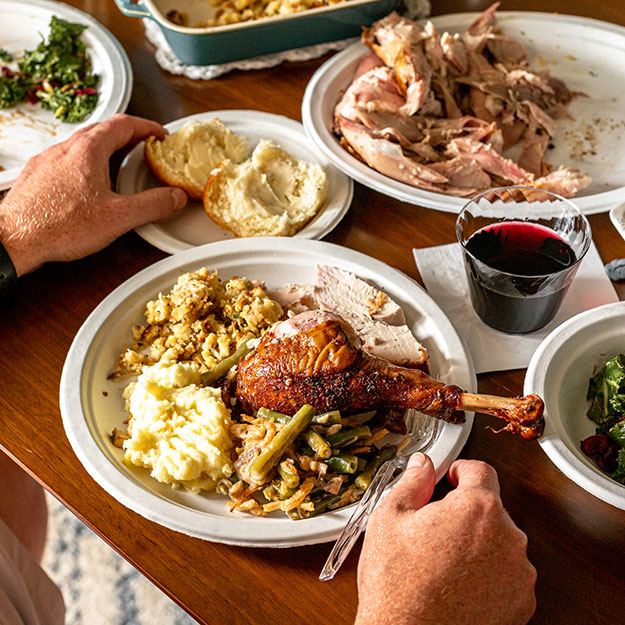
414	9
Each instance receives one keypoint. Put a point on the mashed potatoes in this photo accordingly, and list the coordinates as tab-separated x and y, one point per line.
178	430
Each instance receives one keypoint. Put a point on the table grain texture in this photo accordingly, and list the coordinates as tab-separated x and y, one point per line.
576	542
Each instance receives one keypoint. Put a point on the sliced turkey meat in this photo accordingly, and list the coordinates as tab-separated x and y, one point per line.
431	109
378	321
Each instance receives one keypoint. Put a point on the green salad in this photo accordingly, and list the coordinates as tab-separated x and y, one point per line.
57	74
606	392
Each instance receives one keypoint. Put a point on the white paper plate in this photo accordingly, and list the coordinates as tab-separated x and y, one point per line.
559	372
26	130
89	415
192	226
589	55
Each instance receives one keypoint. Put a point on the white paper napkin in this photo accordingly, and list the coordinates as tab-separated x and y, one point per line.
442	270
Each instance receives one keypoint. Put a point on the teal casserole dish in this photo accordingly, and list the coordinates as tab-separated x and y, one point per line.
244	40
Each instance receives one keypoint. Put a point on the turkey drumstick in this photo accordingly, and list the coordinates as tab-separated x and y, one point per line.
314	358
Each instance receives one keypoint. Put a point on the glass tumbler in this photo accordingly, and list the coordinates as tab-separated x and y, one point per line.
521	247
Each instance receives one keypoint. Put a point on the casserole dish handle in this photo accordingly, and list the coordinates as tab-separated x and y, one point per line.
131	9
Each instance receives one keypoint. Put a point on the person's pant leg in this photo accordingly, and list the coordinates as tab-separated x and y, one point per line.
27	595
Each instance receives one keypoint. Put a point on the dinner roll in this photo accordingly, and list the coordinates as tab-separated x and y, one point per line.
185	158
270	194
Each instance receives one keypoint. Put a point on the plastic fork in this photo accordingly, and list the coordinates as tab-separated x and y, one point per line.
422	430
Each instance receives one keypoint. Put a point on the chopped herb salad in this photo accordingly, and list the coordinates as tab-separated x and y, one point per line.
57	74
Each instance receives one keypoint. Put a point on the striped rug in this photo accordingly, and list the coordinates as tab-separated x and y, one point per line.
99	586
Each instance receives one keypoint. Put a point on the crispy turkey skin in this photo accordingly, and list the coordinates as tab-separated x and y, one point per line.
315	358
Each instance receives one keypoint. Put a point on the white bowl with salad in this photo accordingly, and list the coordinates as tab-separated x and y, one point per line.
579	370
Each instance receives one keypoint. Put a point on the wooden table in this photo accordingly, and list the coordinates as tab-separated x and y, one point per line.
576	541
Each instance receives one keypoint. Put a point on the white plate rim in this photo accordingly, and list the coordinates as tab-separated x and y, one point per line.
125	76
337	204
193	522
617	217
552	442
321	136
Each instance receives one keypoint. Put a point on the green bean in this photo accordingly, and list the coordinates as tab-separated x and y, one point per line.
342	463
270	492
289	474
305	450
323	503
220	370
325	418
265	413
317	443
263	464
284	491
364	479
328	418
361	417
349	436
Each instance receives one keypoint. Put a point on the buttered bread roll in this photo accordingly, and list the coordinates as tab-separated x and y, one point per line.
186	158
270	194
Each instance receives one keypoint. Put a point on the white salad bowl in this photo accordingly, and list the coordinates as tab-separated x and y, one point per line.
559	372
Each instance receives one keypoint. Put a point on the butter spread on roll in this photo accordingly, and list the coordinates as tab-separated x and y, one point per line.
270	194
185	158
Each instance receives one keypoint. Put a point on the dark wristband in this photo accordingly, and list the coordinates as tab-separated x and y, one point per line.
8	275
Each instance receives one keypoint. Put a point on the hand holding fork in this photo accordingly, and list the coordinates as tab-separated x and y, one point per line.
422	431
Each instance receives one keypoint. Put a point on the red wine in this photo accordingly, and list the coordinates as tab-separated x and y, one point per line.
517	276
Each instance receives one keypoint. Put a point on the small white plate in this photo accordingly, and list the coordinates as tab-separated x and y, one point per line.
26	130
192	226
589	55
559	372
91	404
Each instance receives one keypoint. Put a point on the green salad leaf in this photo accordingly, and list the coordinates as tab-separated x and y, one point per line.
57	74
614	372
606	390
617	433
619	473
70	106
63	57
13	89
5	55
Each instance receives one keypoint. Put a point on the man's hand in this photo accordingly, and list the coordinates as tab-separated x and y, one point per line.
457	561
62	206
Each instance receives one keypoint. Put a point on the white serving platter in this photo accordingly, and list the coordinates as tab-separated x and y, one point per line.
559	372
192	226
26	129
588	54
91	404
